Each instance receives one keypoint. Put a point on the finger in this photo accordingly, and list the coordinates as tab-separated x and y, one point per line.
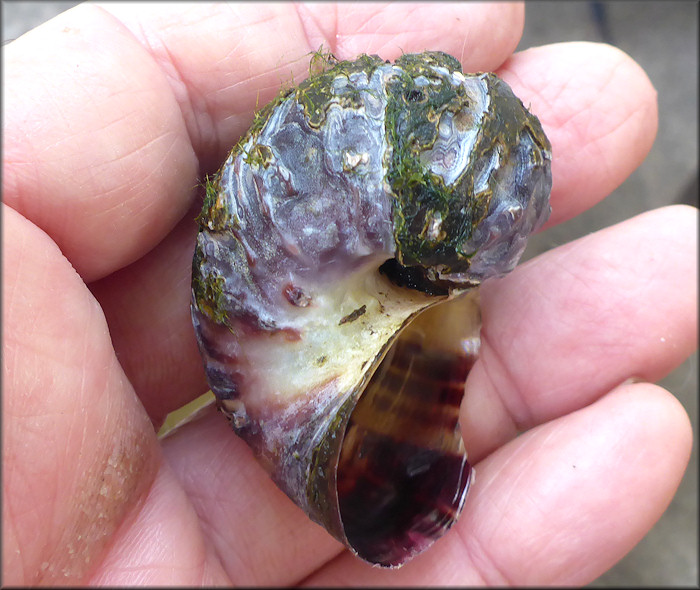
387	29
162	545
557	506
261	537
221	72
599	110
573	323
95	149
79	452
147	306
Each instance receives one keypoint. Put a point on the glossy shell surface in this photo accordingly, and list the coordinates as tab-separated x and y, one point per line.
358	201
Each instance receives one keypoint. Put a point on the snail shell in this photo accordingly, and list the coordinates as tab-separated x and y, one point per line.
358	199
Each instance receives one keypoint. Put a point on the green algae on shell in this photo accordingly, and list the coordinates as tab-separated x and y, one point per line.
357	202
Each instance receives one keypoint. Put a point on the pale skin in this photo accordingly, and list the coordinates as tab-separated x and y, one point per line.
113	114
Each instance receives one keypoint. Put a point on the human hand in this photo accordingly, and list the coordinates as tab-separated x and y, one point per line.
111	116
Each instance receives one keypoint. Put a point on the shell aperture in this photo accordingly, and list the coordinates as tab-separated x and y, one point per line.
334	285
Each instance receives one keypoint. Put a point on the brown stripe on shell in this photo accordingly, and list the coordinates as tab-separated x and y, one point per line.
403	473
415	394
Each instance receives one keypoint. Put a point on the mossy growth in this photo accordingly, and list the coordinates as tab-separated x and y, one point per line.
316	93
208	290
259	155
321	61
260	118
431	220
215	214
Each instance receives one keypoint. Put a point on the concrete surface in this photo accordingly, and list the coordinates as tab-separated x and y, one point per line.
663	37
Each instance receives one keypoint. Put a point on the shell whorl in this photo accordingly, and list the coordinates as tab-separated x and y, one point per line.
363	196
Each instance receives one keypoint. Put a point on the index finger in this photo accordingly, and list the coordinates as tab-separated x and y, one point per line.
112	115
599	110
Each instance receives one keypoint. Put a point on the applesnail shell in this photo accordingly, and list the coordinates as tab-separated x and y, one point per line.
358	199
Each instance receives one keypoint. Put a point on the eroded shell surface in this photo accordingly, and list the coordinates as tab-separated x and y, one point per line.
357	201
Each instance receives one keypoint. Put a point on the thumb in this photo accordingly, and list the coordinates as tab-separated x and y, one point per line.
79	451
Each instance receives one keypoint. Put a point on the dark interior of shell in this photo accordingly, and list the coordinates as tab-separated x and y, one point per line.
357	200
403	472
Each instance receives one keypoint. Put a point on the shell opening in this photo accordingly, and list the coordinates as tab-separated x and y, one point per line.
413	277
403	473
344	381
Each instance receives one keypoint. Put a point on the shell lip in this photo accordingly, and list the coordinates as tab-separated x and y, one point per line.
400	469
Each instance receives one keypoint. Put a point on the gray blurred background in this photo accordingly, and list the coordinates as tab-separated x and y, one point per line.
662	36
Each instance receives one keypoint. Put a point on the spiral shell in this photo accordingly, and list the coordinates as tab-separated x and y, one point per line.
357	201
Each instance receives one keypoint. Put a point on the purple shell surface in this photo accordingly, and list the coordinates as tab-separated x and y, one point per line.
335	285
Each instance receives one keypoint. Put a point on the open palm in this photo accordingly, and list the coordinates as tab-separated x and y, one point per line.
113	113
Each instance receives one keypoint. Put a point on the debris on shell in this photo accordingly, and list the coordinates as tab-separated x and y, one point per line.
358	204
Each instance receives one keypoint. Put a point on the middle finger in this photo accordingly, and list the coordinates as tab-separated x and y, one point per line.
571	324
